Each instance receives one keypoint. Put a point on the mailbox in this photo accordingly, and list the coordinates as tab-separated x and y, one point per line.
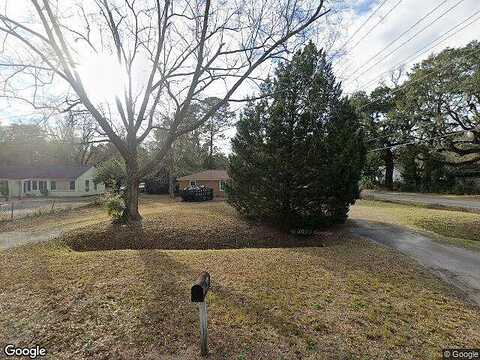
201	287
199	292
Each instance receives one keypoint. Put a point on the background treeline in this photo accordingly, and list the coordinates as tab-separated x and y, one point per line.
422	132
72	141
76	140
426	129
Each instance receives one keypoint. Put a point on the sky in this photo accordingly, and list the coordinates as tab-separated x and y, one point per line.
365	60
361	68
359	56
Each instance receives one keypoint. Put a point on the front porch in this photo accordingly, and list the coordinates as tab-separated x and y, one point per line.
20	188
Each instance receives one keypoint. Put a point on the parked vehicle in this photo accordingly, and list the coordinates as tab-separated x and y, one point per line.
141	187
197	193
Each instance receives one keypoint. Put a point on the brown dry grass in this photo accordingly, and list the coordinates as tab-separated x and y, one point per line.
351	300
174	225
347	300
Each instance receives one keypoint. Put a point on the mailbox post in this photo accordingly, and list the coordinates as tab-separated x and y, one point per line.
199	293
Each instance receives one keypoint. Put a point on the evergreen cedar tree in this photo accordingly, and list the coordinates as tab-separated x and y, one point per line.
298	154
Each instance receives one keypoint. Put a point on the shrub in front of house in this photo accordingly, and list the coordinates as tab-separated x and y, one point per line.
115	206
298	154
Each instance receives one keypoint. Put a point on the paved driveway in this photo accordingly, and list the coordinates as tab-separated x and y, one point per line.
457	266
12	239
466	203
27	206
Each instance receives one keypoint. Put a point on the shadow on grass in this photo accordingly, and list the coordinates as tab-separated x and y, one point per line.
41	306
136	304
388	266
172	319
170	237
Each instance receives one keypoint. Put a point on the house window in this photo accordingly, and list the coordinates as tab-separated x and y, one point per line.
72	185
34	185
95	186
87	185
53	185
193	182
42	185
26	186
221	185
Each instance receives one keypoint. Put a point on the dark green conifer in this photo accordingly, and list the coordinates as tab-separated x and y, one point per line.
297	155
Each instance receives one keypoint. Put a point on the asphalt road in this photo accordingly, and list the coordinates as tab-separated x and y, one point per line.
457	266
460	203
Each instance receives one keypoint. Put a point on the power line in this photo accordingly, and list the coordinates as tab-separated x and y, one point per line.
394	91
409	39
398	37
360	27
385	136
427	47
419	141
471	52
378	23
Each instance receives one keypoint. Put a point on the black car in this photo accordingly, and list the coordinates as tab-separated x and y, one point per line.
196	193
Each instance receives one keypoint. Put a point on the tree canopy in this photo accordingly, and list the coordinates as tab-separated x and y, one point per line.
298	153
165	55
443	95
428	126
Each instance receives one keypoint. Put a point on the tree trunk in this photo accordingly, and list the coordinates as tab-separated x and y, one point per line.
171	186
171	171
210	155
389	167
131	213
427	163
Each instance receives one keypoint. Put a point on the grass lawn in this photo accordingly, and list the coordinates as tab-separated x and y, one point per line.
454	227
347	299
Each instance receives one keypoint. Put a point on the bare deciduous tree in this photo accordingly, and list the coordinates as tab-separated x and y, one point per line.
170	55
76	136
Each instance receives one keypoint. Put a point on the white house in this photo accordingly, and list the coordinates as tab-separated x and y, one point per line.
50	180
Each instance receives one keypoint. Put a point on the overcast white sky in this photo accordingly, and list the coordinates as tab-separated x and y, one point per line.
387	20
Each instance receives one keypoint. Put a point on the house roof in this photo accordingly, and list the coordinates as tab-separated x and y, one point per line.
44	172
207	175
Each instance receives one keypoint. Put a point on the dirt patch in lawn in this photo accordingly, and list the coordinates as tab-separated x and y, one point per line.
190	226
